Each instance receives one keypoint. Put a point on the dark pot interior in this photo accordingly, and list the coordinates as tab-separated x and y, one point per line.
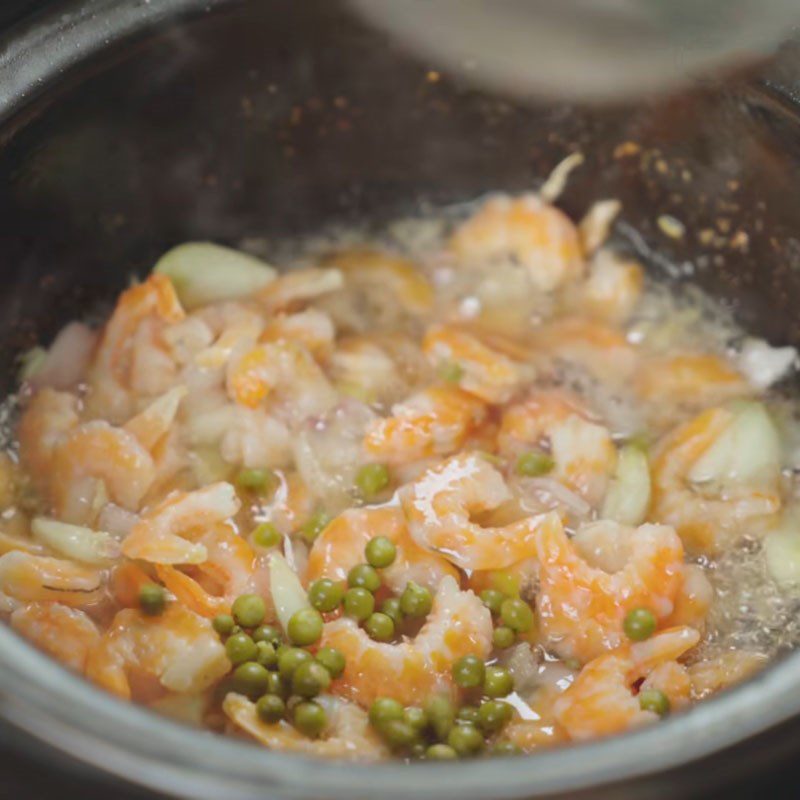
259	119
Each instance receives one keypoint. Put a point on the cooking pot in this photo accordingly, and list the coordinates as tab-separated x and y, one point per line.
130	125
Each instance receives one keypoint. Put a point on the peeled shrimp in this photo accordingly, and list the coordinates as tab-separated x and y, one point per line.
612	287
31	578
524	230
165	533
486	373
66	634
311	328
581	607
439	506
583	451
458	624
298	287
349	735
711	510
341	546
433	422
177	650
49	416
602	701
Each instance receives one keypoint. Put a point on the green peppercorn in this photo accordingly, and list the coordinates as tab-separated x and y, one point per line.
314	526
416	717
363	576
534	463
465	739
505	749
497	682
310	719
384	710
468	672
441	714
223	624
380	552
290	659
493	715
416	600
305	627
379	626
152	599
240	648
440	752
249	610
516	614
270	708
359	604
266	535
275	685
468	714
503	637
251	679
267	656
325	595
391	607
450	371
654	700
492	599
639	624
256	480
398	734
268	633
310	678
371	479
332	659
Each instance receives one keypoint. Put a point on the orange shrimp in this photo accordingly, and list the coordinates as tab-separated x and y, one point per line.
612	288
341	546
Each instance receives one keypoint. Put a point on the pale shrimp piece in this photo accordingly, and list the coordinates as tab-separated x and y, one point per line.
66	634
96	454
177	650
581	607
694	599
341	546
255	439
722	670
600	349
283	373
189	337
292	505
485	372
312	328
373	270
49	416
439	508
526	231
613	287
349	735
233	325
410	671
362	369
432	422
602	701
693	380
29	578
166	534
154	422
710	505
582	450
673	680
298	287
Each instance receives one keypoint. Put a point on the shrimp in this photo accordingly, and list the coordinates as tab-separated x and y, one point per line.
341	546
612	288
527	231
581	607
31	578
311	328
285	373
602	699
723	670
711	510
364	370
583	451
433	422
50	415
177	650
164	533
439	507
373	270
410	671
298	287
488	374
67	634
349	735
233	324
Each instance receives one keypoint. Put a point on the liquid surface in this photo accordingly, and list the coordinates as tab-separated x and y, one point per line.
486	487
